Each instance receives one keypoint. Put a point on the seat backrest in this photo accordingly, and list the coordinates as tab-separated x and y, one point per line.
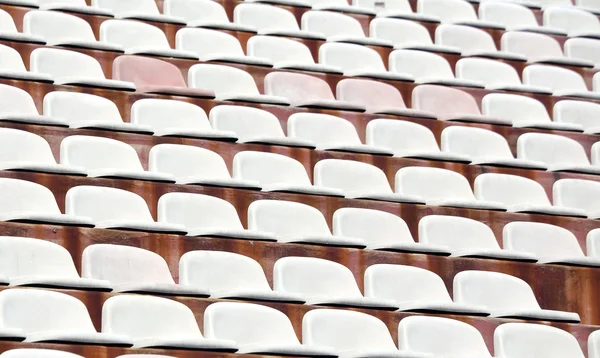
590	4
25	196
510	190
185	161
571	19
350	176
17	145
440	336
475	142
60	63
433	183
246	122
582	48
374	95
10	59
402	6
447	10
322	129
443	101
331	23
167	113
401	136
222	79
344	330
466	38
404	284
7	24
522	340
98	153
65	2
206	42
456	232
350	57
542	240
420	64
551	149
577	193
555	78
593	250
269	168
297	86
578	112
371	225
121	264
507	13
144	71
263	17
487	71
278	49
532	45
14	100
75	107
514	107
38	353
146	317
104	203
313	277
329	2
221	270
399	31
196	10
286	218
56	26
119	6
130	34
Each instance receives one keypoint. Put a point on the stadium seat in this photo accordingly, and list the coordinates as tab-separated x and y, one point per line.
359	61
340	6
583	49
73	68
406	34
38	353
408	140
16	105
440	187
106	158
519	194
25	201
82	110
557	152
230	84
589	5
9	32
323	282
133	269
484	147
176	118
521	340
73	6
12	66
307	91
593	244
414	289
156	322
113	208
578	194
229	275
595	154
205	215
514	16
338	27
454	12
253	125
549	243
48	316
155	76
438	336
575	22
358	180
451	104
329	132
562	81
292	222
276	172
256	329
465	238
194	165
538	48
427	67
583	113
145	10
397	9
202	13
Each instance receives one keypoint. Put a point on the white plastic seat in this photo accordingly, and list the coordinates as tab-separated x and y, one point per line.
557	152
454	12
82	110
484	147
322	282
146	10
514	16
465	238
593	246
61	29
106	158
12	66
525	112
414	289
578	194
519	194
37	353
427	67
113	208
292	222
16	105
73	68
406	34
139	38
358	61
9	32
283	3
589	5
595	154
133	269
396	9
157	322
549	243
495	75
408	140
256	329
48	316
202	13
337	27
329	132
25	201
176	118
341	6
358	180
76	6
576	22
229	84
276	172
521	340
253	125
440	187
583	49
229	275
581	113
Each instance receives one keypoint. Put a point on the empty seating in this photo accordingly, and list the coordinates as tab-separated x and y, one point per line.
397	9
465	238
549	243
322	282
574	21
37	352
202	13
538	48
582	113
520	340
9	31
157	322
75	6
562	81
584	49
106	158
12	66
132	269
296	223
16	105
454	11
358	180
440	187
406	34
593	244
229	275
514	16
577	194
136	9
113	208
339	5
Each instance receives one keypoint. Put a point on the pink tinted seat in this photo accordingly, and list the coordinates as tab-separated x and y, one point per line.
377	97
306	91
451	104
152	75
